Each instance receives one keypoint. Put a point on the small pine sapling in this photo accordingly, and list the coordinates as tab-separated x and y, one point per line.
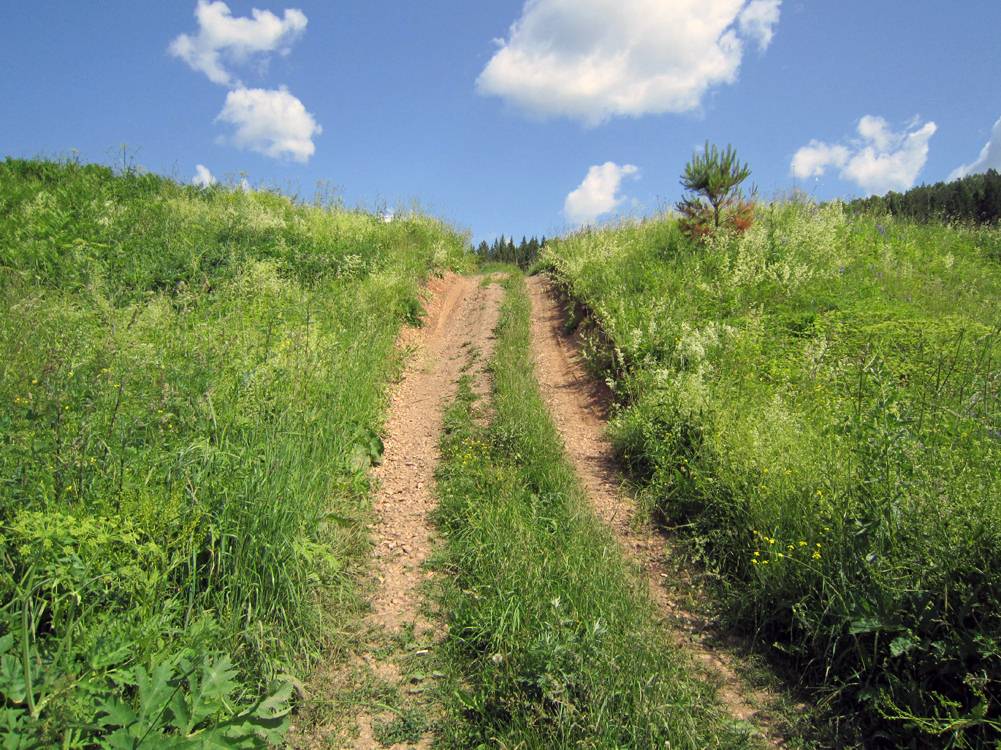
713	178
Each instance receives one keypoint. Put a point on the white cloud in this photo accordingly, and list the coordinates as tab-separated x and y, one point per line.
878	161
758	21
990	156
272	122
598	194
812	160
203	177
595	59
877	131
222	39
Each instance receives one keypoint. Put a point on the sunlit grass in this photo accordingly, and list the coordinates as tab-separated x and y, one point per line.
817	402
191	389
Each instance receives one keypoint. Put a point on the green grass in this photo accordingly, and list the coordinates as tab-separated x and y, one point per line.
192	384
816	403
552	640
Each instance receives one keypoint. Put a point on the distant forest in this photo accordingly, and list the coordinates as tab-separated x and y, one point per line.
503	250
976	198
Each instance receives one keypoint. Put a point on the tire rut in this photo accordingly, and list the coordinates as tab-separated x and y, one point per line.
402	533
461	316
579	405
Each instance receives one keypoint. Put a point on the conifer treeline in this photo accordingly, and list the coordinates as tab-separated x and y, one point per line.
503	250
975	198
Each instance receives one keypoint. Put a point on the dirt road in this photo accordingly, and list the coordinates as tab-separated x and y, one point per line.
461	315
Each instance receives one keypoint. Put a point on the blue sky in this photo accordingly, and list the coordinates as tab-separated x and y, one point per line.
585	110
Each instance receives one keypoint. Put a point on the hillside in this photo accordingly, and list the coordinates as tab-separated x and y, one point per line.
207	542
815	403
192	385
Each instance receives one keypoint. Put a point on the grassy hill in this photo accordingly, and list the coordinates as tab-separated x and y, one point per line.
191	389
816	402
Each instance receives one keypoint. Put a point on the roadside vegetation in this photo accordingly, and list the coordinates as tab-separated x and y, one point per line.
191	391
814	402
552	641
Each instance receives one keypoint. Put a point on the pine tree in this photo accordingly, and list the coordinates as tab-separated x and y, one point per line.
714	176
974	198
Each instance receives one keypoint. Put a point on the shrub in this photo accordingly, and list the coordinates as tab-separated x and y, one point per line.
716	177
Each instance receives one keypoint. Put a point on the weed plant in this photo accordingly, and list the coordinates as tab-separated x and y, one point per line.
551	635
191	392
816	402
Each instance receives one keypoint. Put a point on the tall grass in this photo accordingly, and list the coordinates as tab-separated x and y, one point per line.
552	635
191	390
817	403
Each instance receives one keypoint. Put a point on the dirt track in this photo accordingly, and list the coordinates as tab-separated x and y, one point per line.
579	405
461	315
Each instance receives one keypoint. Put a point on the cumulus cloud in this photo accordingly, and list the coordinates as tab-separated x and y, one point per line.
878	161
598	194
223	40
203	177
272	122
595	59
990	156
758	21
813	159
